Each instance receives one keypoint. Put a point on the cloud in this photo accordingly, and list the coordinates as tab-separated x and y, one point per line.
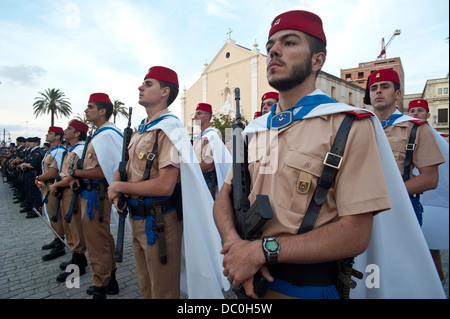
22	74
220	8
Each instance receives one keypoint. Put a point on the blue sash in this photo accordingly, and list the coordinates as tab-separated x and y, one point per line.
418	208
55	148
298	112
203	134
303	292
91	197
391	119
150	221
107	128
74	147
144	127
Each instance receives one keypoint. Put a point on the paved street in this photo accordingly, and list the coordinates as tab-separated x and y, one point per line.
23	275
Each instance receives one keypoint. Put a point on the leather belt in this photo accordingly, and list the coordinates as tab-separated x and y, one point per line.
322	274
146	210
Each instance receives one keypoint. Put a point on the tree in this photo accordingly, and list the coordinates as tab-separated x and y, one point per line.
119	108
223	122
81	118
53	101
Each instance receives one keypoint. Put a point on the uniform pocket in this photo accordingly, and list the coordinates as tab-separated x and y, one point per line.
297	180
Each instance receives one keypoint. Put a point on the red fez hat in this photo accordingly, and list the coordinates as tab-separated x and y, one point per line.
204	107
163	74
299	20
99	97
384	75
270	95
418	103
55	129
80	126
257	114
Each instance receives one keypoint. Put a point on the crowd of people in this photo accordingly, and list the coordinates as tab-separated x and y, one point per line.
344	188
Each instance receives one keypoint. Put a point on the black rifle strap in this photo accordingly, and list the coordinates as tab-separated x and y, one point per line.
151	158
409	153
332	163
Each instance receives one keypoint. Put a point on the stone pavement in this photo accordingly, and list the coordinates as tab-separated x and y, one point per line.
23	274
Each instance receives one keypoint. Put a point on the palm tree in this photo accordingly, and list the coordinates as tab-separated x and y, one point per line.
81	118
53	101
119	108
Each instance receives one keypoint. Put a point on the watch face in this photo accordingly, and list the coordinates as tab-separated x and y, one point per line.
271	245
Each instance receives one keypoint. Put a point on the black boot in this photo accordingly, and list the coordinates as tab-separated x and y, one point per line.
64	264
51	245
99	293
26	209
111	289
80	261
56	252
31	214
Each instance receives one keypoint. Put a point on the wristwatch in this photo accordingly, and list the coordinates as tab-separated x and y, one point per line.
271	248
72	173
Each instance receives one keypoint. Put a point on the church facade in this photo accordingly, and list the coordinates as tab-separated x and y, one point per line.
237	66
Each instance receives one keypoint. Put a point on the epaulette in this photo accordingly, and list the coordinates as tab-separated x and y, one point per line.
360	113
418	122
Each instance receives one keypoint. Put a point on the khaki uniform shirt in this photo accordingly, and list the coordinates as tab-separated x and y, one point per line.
203	150
426	150
49	162
297	164
69	163
141	146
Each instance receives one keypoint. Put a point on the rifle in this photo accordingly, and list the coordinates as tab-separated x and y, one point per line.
57	194
248	219
76	190
127	132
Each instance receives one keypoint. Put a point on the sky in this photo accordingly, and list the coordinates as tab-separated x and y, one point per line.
81	47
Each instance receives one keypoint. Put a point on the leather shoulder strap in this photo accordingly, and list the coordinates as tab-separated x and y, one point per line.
332	164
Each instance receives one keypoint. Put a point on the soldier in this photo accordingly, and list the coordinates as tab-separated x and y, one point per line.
159	155
302	128
50	167
435	203
75	134
267	100
31	167
411	140
14	173
419	109
102	159
214	158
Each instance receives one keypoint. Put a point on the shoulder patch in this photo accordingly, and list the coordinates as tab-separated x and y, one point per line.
360	114
419	122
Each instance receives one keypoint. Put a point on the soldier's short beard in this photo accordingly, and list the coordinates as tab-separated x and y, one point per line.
299	73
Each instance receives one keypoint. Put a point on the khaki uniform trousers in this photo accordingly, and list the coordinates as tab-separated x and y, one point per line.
58	226
158	281
74	228
99	243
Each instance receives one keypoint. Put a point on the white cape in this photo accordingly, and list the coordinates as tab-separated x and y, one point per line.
397	263
201	266
435	223
108	147
222	157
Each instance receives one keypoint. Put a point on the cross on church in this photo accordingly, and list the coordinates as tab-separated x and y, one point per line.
229	33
